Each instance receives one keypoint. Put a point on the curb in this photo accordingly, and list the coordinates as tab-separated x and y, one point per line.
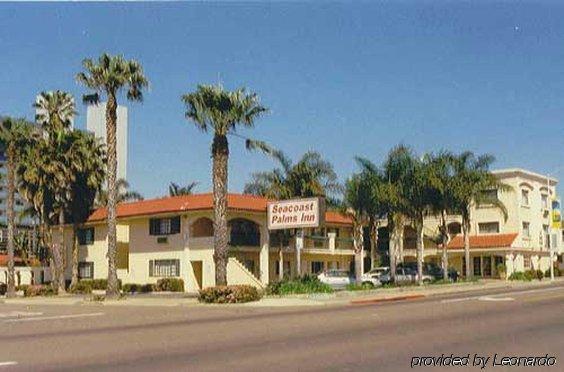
387	299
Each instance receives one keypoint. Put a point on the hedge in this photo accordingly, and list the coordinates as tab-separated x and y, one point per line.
38	290
170	285
229	294
82	287
304	284
138	288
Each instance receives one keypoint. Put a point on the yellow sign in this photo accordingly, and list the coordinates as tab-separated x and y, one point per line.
556	215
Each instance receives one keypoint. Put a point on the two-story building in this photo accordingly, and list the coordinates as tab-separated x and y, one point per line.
173	237
521	241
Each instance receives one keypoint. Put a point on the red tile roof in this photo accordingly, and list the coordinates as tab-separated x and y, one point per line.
4	259
175	204
483	241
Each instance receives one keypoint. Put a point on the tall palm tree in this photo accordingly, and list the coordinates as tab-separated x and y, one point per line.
357	196
471	178
89	176
441	179
110	75
175	189
397	168
124	194
376	205
14	138
213	108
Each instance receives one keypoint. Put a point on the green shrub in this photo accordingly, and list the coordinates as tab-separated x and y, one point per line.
138	288
38	290
361	287
170	285
82	287
99	284
229	294
304	284
22	287
519	275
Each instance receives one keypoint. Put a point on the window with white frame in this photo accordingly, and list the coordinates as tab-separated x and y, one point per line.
86	270
488	228
527	262
525	197
526	228
164	268
544	201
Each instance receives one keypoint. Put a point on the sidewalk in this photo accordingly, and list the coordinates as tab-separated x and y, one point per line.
317	299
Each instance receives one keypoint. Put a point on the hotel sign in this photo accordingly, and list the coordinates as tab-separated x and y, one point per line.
296	213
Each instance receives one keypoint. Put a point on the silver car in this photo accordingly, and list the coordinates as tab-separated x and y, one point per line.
336	278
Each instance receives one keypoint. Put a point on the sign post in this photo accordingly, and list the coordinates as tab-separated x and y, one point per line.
296	214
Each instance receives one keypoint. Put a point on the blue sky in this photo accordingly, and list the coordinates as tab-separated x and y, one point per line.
345	79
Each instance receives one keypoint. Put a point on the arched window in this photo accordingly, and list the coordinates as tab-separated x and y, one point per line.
454	228
244	233
202	227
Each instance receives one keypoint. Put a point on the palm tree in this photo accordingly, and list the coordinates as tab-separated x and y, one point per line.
124	195
175	189
357	196
55	110
88	179
14	138
471	178
111	75
441	179
377	203
396	173
311	176
213	108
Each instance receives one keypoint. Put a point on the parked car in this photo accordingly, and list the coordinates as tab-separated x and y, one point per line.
404	274
372	277
336	278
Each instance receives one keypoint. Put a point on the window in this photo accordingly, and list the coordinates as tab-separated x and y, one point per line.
544	201
526	229
525	197
164	268
488	228
527	262
164	226
85	270
489	196
477	266
244	233
86	236
316	267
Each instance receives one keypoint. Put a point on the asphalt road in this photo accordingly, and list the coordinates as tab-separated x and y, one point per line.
383	337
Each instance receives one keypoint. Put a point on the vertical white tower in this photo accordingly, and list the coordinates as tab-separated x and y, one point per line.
96	123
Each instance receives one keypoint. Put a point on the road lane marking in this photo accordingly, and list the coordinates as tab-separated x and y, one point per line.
53	317
495	295
487	298
9	363
18	314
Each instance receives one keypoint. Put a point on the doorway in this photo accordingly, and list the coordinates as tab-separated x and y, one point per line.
197	269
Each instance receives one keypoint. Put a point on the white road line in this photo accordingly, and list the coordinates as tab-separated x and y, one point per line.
494	297
17	314
53	317
486	298
6	364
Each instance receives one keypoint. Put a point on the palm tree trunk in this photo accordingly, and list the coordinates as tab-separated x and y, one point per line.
220	155
358	249
281	260
11	290
466	232
373	243
392	246
444	242
420	247
74	278
60	257
112	290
